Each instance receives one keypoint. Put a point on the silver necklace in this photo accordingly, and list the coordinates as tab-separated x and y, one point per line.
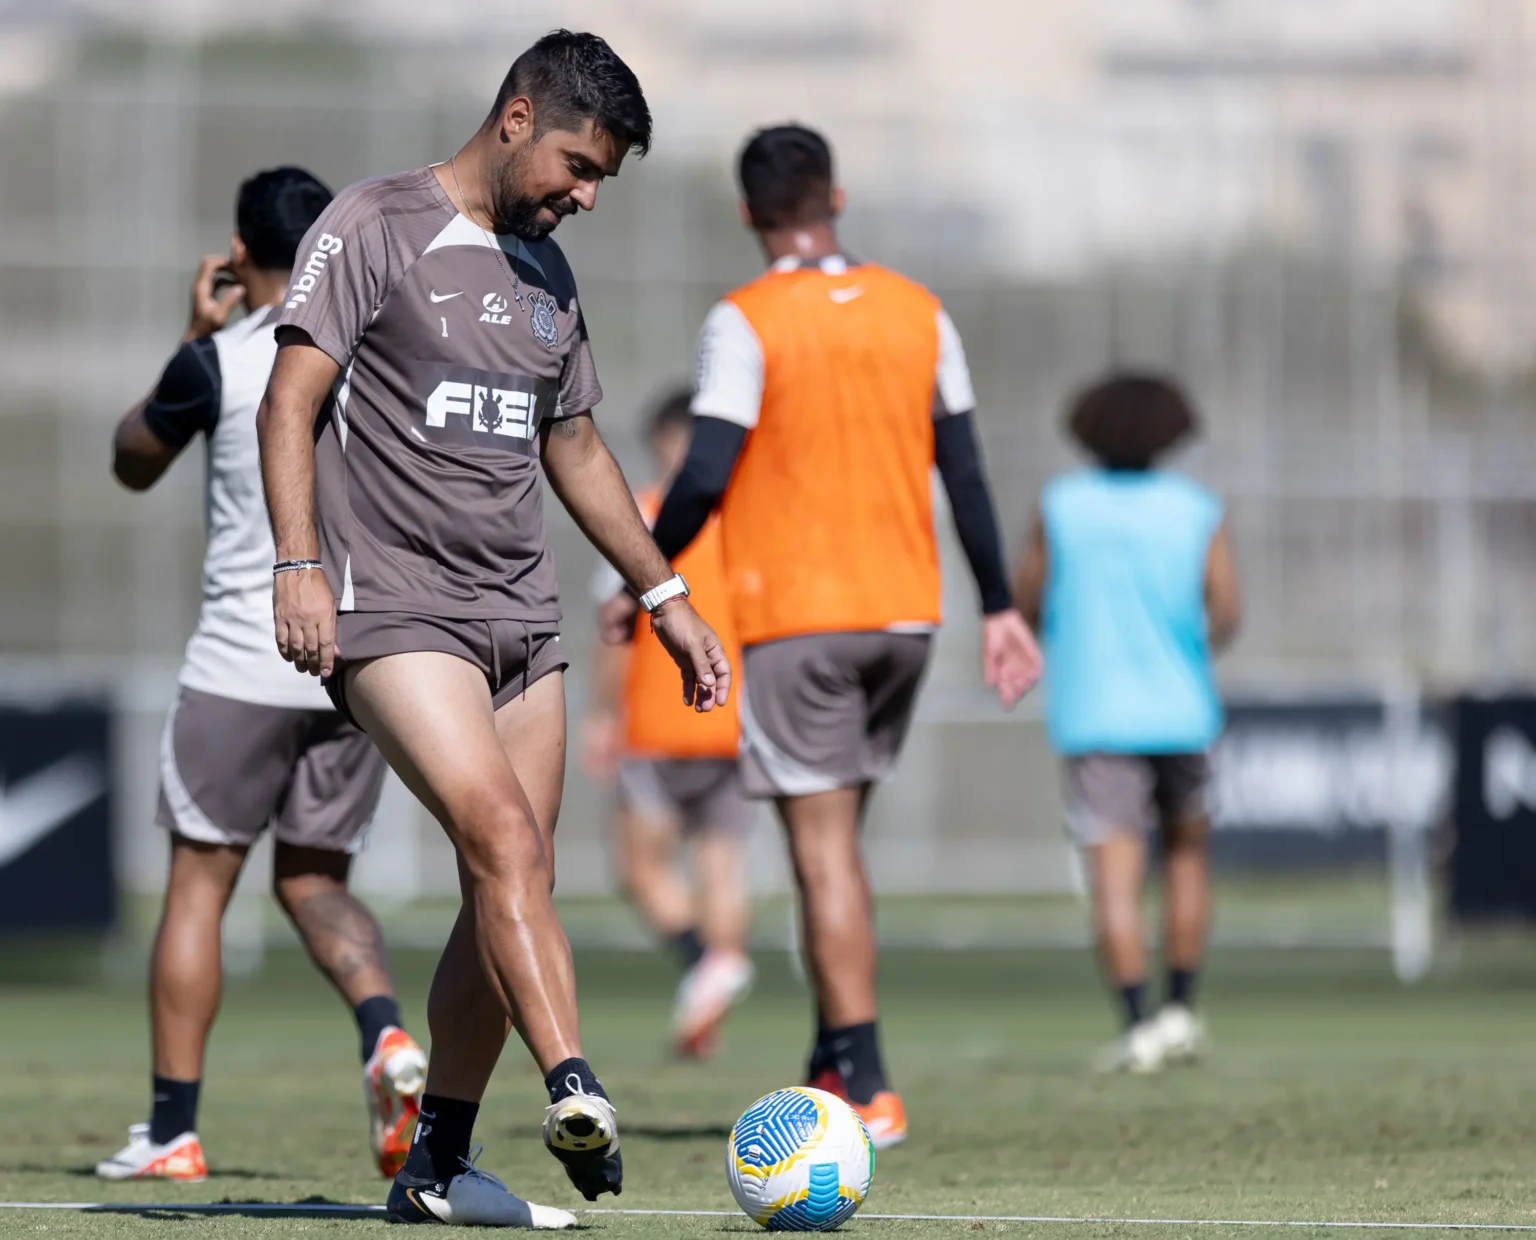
509	267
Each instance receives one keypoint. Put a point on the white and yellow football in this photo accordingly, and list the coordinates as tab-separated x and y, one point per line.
800	1160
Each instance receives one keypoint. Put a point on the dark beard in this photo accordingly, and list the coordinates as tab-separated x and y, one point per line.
518	214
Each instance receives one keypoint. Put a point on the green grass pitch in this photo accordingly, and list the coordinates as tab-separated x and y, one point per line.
1333	1094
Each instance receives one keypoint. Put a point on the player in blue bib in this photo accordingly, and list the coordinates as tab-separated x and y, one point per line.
1129	580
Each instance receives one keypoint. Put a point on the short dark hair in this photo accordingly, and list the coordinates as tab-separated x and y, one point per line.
1129	418
274	210
786	177
671	411
573	78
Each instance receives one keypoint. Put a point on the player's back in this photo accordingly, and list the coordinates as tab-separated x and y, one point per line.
828	520
1128	661
233	652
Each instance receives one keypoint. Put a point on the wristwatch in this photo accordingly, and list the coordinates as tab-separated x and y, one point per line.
673	587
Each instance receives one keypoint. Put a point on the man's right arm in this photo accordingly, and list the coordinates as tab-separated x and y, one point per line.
303	607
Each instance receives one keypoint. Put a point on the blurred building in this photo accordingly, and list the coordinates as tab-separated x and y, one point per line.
1313	212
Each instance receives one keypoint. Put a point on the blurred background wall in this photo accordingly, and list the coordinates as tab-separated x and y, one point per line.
1315	212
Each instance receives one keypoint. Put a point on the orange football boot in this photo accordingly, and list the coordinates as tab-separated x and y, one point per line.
393	1080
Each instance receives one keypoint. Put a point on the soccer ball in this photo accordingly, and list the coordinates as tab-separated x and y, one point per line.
800	1160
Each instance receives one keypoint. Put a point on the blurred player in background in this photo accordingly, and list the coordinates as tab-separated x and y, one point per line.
248	744
678	775
827	390
1129	578
433	369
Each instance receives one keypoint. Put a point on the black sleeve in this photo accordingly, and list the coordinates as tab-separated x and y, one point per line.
958	456
186	400
697	489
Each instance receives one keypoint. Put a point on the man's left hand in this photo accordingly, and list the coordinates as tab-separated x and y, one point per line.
696	651
1010	660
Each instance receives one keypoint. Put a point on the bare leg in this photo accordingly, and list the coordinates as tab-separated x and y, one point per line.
835	902
338	931
532	734
648	868
1187	899
1117	867
430	714
186	971
724	908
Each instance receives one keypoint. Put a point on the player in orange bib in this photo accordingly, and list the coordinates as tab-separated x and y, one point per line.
677	775
828	389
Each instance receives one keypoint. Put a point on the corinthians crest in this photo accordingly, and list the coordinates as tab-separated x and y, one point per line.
542	307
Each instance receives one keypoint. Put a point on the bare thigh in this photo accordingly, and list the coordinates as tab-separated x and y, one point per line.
430	715
531	729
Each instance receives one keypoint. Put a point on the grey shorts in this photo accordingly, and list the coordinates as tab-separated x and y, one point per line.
511	654
228	769
827	710
698	794
1114	793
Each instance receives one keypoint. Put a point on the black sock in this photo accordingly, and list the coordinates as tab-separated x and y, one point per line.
822	1059
856	1052
441	1143
1134	999
175	1109
572	1076
373	1016
688	946
1181	987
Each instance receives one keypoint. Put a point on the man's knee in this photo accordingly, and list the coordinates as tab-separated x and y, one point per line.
498	840
1191	834
299	873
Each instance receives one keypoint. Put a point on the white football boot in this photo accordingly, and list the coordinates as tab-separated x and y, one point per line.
705	998
582	1131
473	1198
1139	1049
1181	1033
180	1158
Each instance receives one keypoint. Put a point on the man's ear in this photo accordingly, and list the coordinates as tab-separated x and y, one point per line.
239	256
746	216
515	125
839	200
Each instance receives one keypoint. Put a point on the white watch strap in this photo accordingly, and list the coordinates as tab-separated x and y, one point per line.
672	588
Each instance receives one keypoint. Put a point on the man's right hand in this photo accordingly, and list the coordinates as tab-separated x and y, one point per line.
304	616
211	312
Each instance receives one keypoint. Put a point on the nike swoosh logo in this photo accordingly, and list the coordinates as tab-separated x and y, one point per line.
44	801
433	1207
844	295
436	297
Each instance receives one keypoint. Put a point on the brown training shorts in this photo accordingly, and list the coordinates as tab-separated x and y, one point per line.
511	654
229	768
1118	793
697	794
827	710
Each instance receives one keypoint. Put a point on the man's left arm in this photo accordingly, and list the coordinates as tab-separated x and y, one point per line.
590	484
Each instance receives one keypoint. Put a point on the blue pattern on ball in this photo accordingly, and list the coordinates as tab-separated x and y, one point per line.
776	1127
823	1208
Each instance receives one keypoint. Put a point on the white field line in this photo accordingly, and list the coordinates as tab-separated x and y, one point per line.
339	1210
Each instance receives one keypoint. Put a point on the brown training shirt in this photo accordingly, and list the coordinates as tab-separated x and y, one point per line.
428	495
